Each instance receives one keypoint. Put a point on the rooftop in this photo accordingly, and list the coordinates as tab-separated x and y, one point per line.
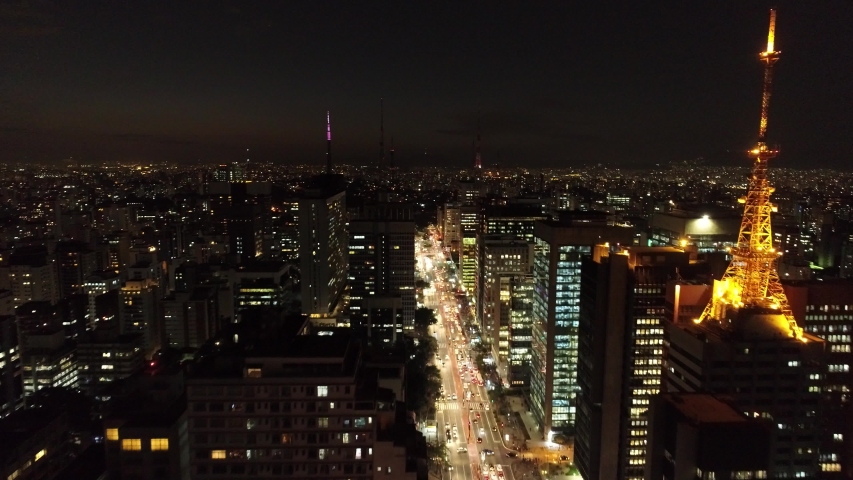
20	426
704	408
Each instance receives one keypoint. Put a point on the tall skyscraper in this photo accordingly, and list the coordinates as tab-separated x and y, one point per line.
560	247
323	240
620	355
514	220
504	258
382	268
520	330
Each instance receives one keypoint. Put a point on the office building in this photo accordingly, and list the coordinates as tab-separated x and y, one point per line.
323	246
504	257
451	230
469	219
520	330
765	371
620	355
710	229
695	435
48	360
560	247
823	309
382	266
104	355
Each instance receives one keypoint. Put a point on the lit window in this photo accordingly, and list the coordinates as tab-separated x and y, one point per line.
345	438
322	391
131	444
159	444
358	454
106	367
112	434
40	454
217	454
323	422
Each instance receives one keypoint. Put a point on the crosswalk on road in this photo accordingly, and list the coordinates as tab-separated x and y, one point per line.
447	405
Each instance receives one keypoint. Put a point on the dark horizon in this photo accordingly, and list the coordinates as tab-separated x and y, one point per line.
556	85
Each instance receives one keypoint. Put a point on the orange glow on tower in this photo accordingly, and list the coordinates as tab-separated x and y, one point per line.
751	279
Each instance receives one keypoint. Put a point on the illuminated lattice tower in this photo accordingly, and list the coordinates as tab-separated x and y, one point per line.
751	280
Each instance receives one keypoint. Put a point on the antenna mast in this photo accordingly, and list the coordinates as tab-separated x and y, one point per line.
381	132
478	159
751	279
328	143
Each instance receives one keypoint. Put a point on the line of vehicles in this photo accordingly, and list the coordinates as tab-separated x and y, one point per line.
450	308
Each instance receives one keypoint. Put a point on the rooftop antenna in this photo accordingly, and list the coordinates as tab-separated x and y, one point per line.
328	143
381	132
478	159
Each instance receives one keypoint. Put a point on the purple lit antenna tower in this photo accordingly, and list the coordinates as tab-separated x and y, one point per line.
328	143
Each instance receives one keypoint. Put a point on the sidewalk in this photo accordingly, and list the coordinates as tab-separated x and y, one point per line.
536	439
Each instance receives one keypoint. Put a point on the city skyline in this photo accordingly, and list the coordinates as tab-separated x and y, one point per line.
559	85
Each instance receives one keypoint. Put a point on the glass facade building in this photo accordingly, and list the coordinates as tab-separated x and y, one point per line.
559	250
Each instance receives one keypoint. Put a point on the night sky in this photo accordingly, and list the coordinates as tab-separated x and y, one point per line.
559	83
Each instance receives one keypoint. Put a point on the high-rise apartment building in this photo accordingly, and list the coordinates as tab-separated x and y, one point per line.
288	228
620	355
560	248
382	264
765	371
245	227
323	246
190	318
139	311
97	284
33	277
75	262
309	407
